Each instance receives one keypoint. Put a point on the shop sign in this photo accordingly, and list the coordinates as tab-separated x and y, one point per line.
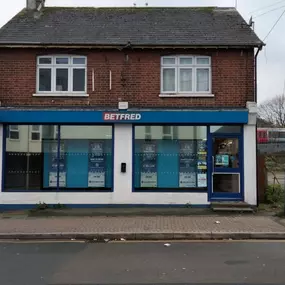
121	116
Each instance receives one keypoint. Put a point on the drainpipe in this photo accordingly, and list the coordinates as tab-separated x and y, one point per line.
255	100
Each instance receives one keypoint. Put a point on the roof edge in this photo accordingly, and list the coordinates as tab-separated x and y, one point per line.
121	47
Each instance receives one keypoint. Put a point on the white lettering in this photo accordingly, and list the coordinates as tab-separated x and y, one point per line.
121	117
106	116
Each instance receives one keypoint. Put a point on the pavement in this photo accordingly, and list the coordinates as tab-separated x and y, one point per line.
104	228
143	263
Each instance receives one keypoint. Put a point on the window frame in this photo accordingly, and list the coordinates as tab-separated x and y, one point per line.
35	132
16	131
196	189
177	67
53	66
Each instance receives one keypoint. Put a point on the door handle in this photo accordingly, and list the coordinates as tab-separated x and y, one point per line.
213	165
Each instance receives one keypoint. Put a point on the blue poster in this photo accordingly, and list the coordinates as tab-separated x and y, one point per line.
222	160
187	164
148	165
96	165
57	161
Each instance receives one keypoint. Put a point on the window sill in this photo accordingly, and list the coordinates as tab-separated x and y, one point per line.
182	95
68	95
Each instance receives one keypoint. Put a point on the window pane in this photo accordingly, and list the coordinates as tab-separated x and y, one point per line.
168	60
62	60
225	151
169	79
27	165
45	79
166	130
186	60
203	60
185	78
14	127
14	135
61	79
173	161
147	129
79	60
226	183
45	60
36	136
225	129
78	79
88	161
203	80
36	128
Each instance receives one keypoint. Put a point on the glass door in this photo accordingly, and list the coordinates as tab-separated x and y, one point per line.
226	167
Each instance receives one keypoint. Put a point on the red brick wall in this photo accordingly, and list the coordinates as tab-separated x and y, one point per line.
136	80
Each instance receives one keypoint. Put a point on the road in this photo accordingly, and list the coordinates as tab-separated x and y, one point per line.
142	263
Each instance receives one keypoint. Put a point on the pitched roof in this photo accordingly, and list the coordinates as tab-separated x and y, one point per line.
146	26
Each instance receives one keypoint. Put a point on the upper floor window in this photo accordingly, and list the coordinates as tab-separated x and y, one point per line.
35	132
13	132
61	74
185	74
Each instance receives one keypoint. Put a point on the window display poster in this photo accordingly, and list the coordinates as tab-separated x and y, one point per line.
148	165
202	180
202	146
57	163
96	165
187	165
202	155
222	160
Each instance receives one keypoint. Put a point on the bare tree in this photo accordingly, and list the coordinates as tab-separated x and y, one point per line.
273	111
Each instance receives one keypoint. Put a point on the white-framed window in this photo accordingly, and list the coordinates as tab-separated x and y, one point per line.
185	74
147	132
14	132
61	74
35	132
167	132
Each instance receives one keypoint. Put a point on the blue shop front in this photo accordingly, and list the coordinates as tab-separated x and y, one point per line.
90	158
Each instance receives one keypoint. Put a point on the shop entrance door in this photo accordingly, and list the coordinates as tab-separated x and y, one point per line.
226	179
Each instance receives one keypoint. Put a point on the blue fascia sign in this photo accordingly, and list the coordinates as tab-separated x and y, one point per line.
61	116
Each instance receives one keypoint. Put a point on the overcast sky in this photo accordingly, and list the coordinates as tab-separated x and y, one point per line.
271	63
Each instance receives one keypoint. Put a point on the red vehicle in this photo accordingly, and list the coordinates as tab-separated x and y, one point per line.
270	135
262	135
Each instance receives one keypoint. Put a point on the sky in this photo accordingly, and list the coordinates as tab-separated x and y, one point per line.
271	60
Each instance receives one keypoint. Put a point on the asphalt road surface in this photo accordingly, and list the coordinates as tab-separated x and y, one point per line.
142	263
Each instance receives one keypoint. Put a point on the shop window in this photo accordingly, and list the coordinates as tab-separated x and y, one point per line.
52	158
61	74
185	74
25	159
87	157
175	158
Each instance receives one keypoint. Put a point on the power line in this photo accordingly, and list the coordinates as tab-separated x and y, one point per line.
264	7
274	25
257	16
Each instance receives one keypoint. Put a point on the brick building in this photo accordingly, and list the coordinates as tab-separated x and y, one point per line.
131	106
